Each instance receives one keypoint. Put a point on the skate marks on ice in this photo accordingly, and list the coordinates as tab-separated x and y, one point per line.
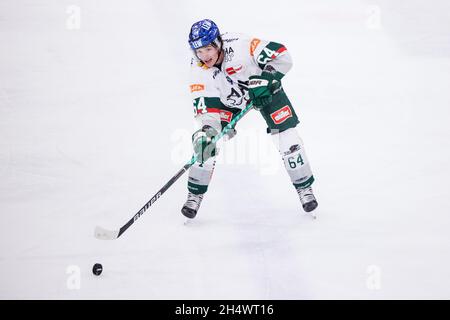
5	161
275	256
264	249
192	223
5	151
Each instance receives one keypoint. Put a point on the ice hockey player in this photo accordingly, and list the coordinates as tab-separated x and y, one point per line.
227	71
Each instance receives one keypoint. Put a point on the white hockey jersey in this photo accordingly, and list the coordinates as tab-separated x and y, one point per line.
213	88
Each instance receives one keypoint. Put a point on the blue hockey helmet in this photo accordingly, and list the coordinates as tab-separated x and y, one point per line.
203	33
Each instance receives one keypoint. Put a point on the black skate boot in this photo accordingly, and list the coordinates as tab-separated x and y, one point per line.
192	205
307	199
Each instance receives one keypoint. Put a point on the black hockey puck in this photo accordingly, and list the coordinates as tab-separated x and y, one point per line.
97	269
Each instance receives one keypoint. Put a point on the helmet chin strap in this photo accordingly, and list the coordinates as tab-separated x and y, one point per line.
218	57
219	43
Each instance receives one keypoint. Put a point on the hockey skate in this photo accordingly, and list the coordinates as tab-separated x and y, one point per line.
192	205
307	199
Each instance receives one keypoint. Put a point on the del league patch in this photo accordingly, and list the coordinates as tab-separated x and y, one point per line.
281	115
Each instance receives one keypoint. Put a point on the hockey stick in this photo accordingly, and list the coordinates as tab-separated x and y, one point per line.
105	234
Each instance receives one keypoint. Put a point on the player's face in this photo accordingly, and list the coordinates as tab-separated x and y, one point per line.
209	55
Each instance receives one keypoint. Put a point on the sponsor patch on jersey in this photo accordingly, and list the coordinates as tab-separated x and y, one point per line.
233	70
281	115
253	46
225	115
197	87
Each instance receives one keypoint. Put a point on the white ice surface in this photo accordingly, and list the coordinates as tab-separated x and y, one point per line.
93	121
